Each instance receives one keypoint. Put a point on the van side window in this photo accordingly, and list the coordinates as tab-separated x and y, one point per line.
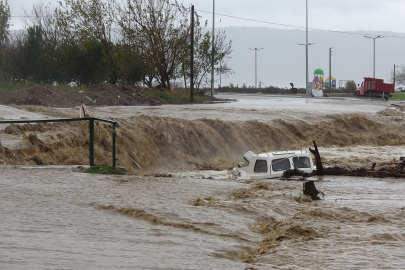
260	166
281	164
301	162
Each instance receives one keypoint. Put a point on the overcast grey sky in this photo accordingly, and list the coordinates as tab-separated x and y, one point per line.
381	15
378	15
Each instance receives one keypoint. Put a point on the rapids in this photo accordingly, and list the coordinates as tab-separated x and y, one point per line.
173	138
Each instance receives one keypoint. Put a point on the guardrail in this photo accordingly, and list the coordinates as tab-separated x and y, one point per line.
91	128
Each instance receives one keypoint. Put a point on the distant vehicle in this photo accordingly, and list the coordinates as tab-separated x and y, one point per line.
372	87
273	165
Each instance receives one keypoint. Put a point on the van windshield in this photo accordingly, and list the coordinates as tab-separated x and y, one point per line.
281	164
301	162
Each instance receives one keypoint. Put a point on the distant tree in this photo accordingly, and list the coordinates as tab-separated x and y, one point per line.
93	63
14	65
159	29
83	20
42	15
4	23
34	53
4	29
131	69
351	86
399	76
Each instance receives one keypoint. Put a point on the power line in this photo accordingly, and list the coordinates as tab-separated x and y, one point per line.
363	57
294	26
369	55
365	51
253	20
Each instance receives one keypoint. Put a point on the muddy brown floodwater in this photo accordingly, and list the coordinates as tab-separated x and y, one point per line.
53	217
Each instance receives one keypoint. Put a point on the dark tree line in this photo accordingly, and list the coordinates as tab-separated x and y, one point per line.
92	41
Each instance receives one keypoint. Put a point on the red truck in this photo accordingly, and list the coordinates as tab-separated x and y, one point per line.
372	87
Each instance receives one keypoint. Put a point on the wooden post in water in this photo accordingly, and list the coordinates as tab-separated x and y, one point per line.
310	190
318	161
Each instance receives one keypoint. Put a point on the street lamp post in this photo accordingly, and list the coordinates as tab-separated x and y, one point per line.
374	38
308	92
256	49
306	50
213	48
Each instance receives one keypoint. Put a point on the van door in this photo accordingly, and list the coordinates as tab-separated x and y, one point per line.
278	166
261	169
302	163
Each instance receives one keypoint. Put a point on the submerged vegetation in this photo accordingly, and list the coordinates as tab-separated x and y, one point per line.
99	169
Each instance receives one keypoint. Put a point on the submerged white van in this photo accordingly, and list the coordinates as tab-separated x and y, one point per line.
273	165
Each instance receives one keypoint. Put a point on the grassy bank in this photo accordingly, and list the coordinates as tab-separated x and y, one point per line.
398	96
24	85
15	86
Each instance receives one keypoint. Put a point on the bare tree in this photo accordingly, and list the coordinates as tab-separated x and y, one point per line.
222	52
203	56
44	16
399	76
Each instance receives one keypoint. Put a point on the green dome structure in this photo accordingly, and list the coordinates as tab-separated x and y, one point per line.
319	72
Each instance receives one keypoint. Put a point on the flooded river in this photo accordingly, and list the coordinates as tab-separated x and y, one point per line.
53	217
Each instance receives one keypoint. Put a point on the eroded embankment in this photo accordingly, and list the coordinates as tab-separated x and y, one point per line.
156	143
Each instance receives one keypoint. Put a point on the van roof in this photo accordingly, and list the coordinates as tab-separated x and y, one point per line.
274	154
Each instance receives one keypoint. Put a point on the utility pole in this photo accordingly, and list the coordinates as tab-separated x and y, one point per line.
394	76
330	68
192	56
307	93
256	49
374	38
213	49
